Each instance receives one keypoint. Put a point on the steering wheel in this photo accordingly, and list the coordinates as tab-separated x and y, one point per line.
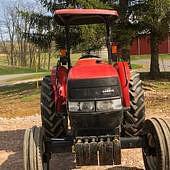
89	56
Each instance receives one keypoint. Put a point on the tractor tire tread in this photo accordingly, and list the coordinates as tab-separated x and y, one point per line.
134	118
52	122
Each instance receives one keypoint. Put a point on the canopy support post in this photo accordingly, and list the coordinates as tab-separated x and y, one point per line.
108	40
67	28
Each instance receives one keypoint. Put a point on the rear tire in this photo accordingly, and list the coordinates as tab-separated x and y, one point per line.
54	124
156	153
134	118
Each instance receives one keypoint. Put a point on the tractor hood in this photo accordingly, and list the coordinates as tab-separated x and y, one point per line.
91	69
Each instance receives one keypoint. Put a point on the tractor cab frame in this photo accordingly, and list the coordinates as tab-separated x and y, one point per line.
70	17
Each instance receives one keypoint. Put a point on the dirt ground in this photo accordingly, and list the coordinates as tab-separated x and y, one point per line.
12	128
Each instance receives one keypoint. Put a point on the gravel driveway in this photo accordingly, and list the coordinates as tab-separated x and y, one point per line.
11	158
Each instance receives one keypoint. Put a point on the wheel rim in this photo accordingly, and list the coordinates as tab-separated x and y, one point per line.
41	165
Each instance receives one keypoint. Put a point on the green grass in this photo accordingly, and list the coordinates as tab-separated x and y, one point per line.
18	88
74	58
136	66
139	57
31	96
4	70
164	56
26	92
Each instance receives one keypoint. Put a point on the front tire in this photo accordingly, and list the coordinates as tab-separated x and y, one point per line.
54	124
33	149
134	118
156	152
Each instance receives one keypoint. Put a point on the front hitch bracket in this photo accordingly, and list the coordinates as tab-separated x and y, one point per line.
95	150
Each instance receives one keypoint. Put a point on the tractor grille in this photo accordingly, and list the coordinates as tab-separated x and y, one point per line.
93	89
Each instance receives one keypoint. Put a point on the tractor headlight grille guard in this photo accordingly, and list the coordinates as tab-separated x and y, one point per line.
95	106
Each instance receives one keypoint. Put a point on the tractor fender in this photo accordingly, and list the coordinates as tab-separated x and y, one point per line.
59	85
124	77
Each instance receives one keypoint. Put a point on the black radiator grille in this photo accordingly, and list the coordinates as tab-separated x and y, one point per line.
94	93
93	89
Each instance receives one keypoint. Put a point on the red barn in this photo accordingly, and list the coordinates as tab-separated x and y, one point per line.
141	46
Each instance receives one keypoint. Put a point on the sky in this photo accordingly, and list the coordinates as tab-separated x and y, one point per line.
3	4
6	3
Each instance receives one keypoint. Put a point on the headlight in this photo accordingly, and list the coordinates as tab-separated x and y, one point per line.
87	106
81	106
73	106
109	105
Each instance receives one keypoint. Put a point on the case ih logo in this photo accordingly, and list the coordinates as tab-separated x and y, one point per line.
108	91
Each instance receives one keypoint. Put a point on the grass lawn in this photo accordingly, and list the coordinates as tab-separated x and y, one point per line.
17	70
139	57
5	69
19	100
25	92
18	89
136	66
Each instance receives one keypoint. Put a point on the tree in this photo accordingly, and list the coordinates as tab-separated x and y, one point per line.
122	32
15	23
92	37
78	34
156	16
9	21
125	29
144	16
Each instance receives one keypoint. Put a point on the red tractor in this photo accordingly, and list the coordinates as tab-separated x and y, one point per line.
94	107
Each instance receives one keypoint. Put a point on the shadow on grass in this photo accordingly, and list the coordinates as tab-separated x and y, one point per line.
162	75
